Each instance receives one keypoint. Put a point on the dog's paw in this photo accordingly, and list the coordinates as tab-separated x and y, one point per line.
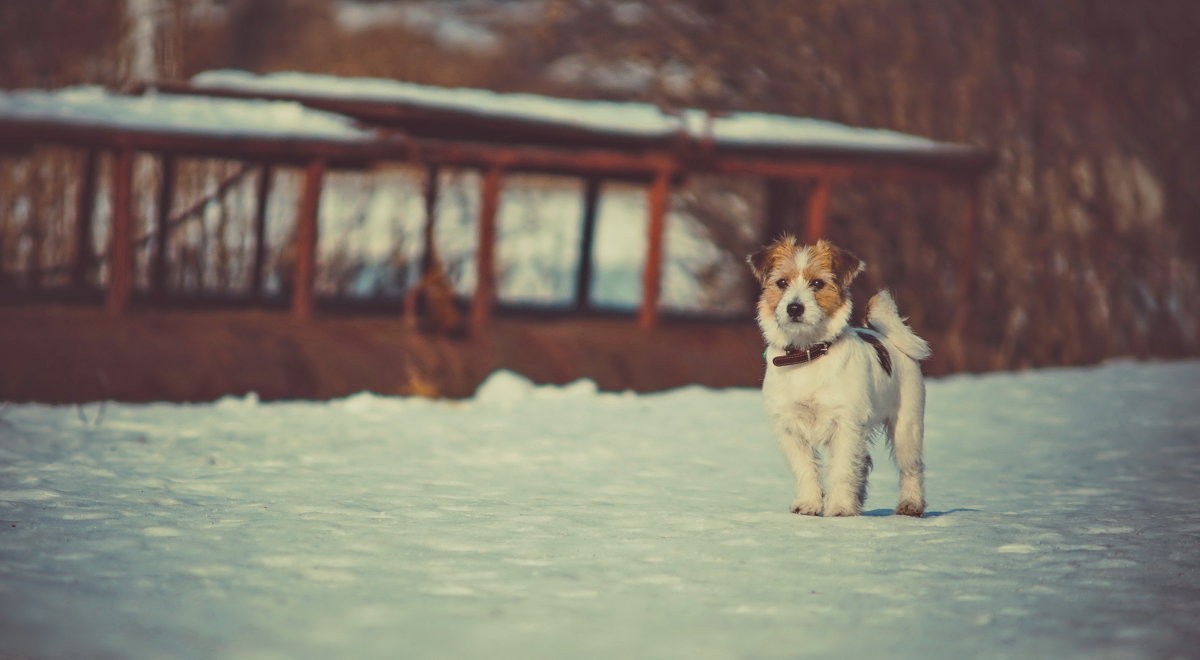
841	511
914	509
805	508
841	504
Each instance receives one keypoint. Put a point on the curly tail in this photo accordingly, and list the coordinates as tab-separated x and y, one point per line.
885	319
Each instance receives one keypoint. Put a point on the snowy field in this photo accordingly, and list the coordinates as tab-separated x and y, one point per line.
544	522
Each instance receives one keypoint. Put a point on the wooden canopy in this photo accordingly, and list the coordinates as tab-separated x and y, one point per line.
494	134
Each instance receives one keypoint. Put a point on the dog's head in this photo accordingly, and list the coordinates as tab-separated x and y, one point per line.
805	291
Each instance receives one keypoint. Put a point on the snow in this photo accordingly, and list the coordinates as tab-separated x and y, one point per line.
636	119
753	128
548	522
96	106
631	118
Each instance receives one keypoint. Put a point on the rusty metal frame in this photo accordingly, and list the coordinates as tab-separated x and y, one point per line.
435	139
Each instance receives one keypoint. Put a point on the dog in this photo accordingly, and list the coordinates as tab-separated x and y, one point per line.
829	386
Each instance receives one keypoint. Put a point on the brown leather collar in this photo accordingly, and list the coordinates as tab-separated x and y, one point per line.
793	356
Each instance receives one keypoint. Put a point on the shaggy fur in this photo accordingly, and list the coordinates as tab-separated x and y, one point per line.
832	405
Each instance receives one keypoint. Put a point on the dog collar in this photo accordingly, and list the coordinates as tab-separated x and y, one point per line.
793	355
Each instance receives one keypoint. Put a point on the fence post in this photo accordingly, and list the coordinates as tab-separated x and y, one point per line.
120	251
817	210
657	203
306	240
262	195
583	279
431	191
485	256
85	210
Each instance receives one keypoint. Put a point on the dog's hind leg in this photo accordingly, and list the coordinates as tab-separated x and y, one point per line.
906	436
802	458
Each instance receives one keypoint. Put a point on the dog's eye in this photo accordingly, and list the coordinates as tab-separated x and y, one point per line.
781	283
817	285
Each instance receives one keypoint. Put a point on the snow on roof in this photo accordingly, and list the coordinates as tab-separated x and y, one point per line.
169	113
287	117
639	119
625	118
758	129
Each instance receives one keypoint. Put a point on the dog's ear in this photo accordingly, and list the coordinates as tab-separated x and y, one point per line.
846	266
763	261
760	262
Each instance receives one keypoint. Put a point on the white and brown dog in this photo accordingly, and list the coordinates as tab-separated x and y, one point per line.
829	385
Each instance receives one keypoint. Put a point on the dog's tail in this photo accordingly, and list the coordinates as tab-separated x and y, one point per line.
885	318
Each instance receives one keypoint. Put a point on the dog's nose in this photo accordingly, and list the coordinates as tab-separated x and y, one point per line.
795	310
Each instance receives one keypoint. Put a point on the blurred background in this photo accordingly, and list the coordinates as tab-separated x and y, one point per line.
1089	224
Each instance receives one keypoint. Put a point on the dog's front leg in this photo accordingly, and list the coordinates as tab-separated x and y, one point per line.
849	465
802	458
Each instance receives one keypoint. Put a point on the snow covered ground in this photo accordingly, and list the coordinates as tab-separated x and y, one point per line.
547	522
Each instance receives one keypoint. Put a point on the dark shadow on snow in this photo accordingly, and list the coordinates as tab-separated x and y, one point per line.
883	513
